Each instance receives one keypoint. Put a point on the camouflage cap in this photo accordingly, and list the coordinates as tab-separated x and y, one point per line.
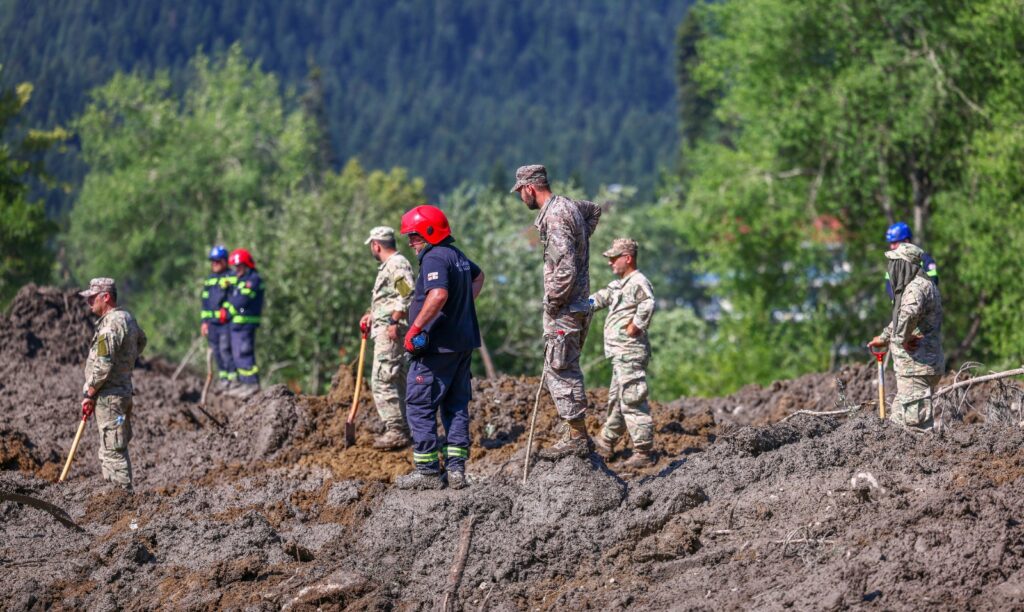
381	232
621	246
98	286
534	174
907	252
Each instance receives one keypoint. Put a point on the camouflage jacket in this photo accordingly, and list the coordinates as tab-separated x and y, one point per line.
115	346
920	315
628	299
392	291
565	228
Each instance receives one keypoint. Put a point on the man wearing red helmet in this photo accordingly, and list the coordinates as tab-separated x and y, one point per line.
565	227
441	338
243	311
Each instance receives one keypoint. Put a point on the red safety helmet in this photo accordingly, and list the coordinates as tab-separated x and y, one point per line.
427	221
241	256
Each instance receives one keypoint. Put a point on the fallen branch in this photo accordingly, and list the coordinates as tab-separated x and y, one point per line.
57	513
455	575
825	413
188	357
979	379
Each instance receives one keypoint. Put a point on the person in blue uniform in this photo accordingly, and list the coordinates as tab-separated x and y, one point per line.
442	334
216	288
243	311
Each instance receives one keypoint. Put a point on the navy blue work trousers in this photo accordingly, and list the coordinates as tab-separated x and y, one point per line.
243	350
439	383
219	337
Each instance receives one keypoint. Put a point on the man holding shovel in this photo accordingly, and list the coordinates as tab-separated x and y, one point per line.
914	336
386	323
116	345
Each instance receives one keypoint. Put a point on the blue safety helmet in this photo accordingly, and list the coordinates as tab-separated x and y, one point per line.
218	252
897	232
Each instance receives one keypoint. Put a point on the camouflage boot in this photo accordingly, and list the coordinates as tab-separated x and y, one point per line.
640	459
605	446
574	441
392	439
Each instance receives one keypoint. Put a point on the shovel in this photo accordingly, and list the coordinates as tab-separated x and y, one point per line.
350	422
209	376
74	448
879	356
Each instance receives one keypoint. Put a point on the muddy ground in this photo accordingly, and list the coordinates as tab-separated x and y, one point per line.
256	505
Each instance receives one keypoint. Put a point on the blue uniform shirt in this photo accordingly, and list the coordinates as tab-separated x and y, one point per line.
216	289
455	329
245	304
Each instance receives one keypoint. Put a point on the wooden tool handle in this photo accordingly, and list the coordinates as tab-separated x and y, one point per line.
74	447
359	381
881	391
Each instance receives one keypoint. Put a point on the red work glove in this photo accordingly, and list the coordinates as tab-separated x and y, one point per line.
88	407
364	327
414	331
222	315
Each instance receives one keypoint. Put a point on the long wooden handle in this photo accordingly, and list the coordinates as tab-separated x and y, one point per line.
209	376
74	448
533	423
359	381
881	391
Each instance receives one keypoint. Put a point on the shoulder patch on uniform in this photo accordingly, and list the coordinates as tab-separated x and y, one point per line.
101	346
431	276
402	287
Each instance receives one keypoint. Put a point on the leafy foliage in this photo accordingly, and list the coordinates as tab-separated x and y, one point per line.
25	253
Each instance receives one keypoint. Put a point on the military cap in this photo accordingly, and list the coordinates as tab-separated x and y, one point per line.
381	232
621	246
534	174
98	286
907	252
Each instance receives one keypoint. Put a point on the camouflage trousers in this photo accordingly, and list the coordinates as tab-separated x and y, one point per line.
912	405
563	340
387	381
114	422
628	409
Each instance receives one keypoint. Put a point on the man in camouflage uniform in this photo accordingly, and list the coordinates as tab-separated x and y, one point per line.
565	228
116	345
914	336
630	301
386	321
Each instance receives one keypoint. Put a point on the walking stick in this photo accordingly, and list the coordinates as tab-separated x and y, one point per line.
74	448
533	423
879	356
350	422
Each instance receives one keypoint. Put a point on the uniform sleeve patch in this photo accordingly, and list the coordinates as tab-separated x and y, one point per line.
402	287
101	347
431	276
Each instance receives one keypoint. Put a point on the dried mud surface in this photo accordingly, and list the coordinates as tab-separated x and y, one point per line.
257	505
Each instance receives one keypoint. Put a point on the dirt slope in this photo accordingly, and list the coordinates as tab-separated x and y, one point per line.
267	510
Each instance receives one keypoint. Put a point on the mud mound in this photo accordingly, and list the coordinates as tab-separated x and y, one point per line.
47	323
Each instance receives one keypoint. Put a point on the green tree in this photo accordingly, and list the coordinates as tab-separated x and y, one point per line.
25	231
843	117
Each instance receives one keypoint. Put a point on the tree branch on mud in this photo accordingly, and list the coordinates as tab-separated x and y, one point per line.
979	379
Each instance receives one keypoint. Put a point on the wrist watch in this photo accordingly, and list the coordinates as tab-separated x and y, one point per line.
394	321
86	395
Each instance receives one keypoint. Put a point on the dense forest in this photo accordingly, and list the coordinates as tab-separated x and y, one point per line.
586	86
759	175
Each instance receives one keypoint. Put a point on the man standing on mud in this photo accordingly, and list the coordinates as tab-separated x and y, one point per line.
115	346
441	339
630	303
216	289
914	336
565	228
386	324
244	310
